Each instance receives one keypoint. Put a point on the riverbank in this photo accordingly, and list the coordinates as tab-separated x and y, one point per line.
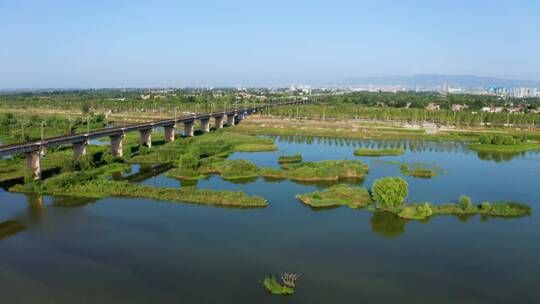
264	125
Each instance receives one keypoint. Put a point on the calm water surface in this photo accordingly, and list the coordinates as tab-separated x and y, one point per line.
140	251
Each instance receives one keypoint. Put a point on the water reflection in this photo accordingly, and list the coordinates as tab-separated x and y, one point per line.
387	224
409	145
498	157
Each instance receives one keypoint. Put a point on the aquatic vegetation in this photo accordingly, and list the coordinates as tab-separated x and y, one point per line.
274	287
261	147
418	172
94	184
238	169
335	196
382	152
329	170
288	159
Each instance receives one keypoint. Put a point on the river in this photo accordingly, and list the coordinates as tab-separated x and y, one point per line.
139	251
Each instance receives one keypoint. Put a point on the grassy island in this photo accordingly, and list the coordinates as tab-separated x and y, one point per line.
382	152
418	172
290	159
389	193
93	184
335	196
328	170
256	147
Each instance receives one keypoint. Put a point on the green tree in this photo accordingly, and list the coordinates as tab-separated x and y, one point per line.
390	192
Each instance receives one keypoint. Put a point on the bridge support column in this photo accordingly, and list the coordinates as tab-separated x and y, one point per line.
219	122
34	165
205	125
239	117
79	150
146	138
188	128
169	133
230	119
117	147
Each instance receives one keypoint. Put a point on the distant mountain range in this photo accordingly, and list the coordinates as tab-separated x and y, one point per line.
433	80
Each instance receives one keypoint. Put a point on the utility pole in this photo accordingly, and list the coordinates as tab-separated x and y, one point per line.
22	131
87	124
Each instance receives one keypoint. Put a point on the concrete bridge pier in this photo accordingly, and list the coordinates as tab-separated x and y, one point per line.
230	119
79	149
117	147
218	122
146	137
34	165
240	117
188	128
169	133
205	125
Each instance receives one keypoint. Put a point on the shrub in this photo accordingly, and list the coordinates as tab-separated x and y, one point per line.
465	202
416	211
188	161
485	206
69	166
497	139
86	162
485	139
390	192
523	138
144	150
509	141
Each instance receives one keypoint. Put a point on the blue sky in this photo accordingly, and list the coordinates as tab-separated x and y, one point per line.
180	43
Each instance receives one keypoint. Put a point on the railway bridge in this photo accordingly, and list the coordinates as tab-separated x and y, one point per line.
79	141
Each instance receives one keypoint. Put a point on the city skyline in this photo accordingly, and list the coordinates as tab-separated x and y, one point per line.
177	44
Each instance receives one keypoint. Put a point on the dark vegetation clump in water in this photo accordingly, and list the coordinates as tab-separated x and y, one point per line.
288	159
382	152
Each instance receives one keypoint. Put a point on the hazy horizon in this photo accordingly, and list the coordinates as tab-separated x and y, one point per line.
114	44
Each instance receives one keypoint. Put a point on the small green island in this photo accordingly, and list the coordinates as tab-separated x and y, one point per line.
380	152
290	159
337	195
416	171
